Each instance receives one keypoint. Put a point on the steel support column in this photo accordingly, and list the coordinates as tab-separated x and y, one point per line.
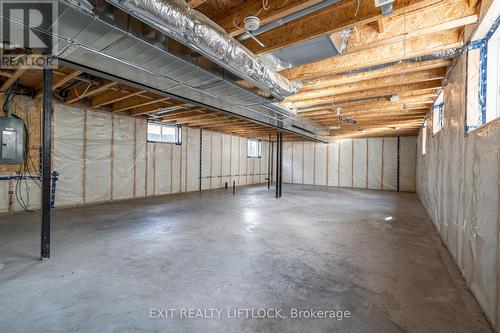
46	163
398	170
269	165
279	163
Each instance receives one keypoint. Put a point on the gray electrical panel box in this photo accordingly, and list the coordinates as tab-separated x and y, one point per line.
11	140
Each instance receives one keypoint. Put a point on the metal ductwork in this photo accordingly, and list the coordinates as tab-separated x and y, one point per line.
193	29
104	41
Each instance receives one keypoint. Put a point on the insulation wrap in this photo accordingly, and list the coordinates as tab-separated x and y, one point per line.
458	182
177	20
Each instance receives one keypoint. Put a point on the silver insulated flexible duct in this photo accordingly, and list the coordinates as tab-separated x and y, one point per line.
179	21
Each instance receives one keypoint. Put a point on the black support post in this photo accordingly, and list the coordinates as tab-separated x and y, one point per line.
46	163
279	163
269	165
201	157
399	163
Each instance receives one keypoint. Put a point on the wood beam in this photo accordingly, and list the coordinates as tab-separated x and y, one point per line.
221	121
408	96
192	118
86	90
375	133
377	83
381	25
400	68
186	115
59	81
5	73
148	107
196	3
388	91
276	9
114	96
420	46
382	118
414	24
397	108
10	81
181	113
138	101
373	105
332	19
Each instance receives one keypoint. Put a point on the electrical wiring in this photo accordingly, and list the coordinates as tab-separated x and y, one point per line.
265	6
28	171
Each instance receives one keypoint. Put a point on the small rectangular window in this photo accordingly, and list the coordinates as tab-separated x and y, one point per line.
493	77
438	113
483	74
166	133
254	148
424	138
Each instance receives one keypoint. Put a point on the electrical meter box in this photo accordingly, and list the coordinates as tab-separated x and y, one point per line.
11	140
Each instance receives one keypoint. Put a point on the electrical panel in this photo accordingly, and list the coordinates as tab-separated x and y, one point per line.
11	140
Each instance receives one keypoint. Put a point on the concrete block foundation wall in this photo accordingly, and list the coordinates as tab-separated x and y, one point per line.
458	182
103	157
358	163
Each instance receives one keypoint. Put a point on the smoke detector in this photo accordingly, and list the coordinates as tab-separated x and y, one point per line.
251	23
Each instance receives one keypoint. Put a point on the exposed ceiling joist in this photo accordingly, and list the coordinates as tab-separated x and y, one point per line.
59	81
329	20
114	96
401	68
138	101
377	83
276	10
387	91
85	90
196	3
420	46
10	81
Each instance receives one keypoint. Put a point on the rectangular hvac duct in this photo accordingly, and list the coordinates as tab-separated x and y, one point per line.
93	40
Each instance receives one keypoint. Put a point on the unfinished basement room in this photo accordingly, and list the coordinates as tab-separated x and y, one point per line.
250	166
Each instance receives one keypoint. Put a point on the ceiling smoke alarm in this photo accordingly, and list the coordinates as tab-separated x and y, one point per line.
251	23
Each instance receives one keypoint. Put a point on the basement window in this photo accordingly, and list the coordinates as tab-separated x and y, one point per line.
438	114
424	138
483	77
254	148
165	133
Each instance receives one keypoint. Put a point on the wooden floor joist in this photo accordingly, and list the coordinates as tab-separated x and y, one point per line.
10	81
86	90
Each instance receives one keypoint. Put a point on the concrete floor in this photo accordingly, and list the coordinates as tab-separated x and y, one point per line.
319	248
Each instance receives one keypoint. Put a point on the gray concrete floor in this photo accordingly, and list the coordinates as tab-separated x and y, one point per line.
319	248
